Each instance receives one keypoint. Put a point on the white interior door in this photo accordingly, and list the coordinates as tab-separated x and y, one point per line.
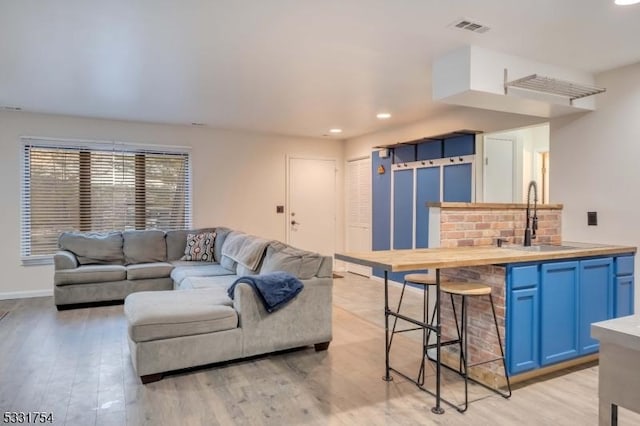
498	170
311	215
358	211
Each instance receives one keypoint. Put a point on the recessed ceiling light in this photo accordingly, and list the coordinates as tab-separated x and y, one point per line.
383	115
626	2
335	130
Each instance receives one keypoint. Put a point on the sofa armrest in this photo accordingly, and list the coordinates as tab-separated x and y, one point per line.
304	320
64	259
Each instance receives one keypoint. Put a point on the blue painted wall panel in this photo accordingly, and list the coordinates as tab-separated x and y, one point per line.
403	209
460	145
381	205
427	190
457	183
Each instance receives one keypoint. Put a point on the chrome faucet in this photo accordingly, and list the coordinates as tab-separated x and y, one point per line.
532	222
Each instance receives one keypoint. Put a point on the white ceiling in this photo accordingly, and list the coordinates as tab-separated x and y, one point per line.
294	67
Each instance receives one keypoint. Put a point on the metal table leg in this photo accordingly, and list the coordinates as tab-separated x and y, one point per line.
387	377
438	408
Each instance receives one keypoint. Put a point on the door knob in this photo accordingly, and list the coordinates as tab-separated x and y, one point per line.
293	222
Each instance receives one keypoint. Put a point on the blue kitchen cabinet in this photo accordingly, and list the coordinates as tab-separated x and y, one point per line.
595	299
523	325
558	312
623	289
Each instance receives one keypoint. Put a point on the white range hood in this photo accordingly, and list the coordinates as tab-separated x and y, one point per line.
481	78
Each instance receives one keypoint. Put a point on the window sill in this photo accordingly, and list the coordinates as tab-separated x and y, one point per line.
39	260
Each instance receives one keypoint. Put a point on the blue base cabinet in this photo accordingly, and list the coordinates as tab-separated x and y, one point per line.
551	306
595	300
558	312
522	320
623	291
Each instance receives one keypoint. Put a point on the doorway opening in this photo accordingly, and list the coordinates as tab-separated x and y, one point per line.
513	158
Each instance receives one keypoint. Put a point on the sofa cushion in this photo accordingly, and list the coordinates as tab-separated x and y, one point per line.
247	250
89	274
221	282
143	271
229	264
144	246
299	263
177	241
196	269
94	248
165	314
199	247
221	236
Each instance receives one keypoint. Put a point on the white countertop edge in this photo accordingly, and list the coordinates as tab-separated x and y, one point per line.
624	331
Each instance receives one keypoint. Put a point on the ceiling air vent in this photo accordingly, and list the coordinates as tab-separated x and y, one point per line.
469	25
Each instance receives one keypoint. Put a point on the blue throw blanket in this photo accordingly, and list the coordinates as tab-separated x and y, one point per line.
274	288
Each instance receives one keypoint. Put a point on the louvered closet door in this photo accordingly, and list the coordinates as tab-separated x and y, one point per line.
359	211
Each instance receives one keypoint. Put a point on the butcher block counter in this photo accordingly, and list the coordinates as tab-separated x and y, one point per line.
546	298
406	260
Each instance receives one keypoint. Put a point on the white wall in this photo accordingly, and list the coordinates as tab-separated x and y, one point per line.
238	179
595	165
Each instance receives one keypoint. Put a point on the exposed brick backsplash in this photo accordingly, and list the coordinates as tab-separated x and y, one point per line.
474	227
460	227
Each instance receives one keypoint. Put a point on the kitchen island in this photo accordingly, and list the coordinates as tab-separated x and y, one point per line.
546	298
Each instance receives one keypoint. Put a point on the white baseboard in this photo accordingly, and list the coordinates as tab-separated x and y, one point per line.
25	294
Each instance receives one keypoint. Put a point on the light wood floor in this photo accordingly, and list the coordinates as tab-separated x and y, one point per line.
76	365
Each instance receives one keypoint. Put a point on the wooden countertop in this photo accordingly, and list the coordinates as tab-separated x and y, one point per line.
492	206
407	260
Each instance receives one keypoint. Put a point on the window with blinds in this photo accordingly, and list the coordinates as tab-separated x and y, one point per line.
100	187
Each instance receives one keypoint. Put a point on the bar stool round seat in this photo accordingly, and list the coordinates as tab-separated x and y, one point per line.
465	289
424	279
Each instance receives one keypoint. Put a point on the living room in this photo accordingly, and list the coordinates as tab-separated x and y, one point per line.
240	134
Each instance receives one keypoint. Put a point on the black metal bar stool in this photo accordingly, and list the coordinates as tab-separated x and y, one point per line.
465	290
423	280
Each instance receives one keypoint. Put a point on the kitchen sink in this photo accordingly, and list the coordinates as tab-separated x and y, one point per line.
541	247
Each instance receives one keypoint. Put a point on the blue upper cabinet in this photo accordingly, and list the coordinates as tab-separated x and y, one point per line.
459	146
595	301
427	190
558	312
404	154
429	150
457	182
403	209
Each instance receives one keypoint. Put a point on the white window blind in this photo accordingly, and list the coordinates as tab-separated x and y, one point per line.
71	186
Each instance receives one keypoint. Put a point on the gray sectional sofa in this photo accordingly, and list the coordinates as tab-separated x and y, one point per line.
189	319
